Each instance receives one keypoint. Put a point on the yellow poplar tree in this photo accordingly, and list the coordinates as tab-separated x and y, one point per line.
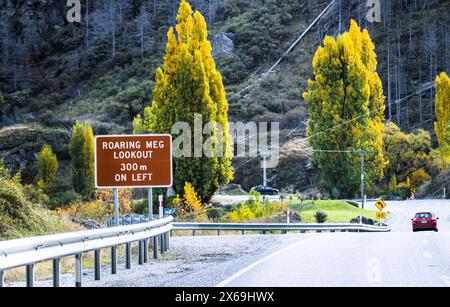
48	166
190	84
442	109
346	106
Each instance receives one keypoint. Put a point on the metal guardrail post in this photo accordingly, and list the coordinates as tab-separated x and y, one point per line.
56	272
2	279
242	232
128	256
145	250
141	252
30	275
78	269
168	240
114	260
97	264
161	243
155	247
193	233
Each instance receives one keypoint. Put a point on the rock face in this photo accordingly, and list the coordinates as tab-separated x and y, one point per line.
20	145
222	44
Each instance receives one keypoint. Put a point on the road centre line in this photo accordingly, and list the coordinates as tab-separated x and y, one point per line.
254	264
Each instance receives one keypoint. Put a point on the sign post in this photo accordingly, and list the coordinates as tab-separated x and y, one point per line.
133	161
380	216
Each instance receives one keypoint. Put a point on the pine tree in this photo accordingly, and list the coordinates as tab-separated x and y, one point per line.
442	109
82	154
346	107
48	166
188	85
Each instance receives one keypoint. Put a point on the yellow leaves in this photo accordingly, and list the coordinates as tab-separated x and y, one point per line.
48	166
184	12
190	205
101	207
442	110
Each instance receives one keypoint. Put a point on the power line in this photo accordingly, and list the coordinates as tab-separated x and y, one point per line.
348	121
286	52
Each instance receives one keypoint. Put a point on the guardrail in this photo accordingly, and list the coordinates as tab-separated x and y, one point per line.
283	227
29	251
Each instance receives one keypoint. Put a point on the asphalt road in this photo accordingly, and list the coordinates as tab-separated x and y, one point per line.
399	258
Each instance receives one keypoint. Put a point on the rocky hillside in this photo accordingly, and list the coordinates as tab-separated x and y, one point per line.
101	70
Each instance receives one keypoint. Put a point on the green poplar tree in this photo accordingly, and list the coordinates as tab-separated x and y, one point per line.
82	155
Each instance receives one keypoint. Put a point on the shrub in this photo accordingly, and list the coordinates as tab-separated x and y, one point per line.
254	208
321	217
18	216
190	206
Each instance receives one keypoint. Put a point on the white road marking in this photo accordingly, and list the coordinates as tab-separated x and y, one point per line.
427	255
254	264
445	279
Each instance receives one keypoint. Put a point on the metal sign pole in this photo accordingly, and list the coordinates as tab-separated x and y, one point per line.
150	204
116	206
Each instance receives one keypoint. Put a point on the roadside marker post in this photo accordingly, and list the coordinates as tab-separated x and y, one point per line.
150	204
116	206
161	208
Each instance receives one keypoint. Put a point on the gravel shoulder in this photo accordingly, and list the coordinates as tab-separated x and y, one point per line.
199	261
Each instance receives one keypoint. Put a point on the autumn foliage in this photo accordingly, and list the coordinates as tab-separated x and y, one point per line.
190	205
346	106
188	85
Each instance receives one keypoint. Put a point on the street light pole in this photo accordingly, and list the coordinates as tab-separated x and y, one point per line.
264	170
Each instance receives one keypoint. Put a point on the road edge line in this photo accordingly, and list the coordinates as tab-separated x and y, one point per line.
258	262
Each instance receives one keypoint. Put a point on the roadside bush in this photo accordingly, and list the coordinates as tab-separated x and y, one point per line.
18	216
61	199
190	206
321	217
100	208
254	208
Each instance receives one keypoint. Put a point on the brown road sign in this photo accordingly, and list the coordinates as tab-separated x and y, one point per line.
380	204
133	161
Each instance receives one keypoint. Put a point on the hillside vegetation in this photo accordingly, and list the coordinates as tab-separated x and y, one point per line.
101	71
18	216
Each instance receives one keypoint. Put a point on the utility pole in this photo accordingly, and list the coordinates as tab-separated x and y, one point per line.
264	154
264	170
362	152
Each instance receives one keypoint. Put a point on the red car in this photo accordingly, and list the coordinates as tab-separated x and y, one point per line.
425	221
